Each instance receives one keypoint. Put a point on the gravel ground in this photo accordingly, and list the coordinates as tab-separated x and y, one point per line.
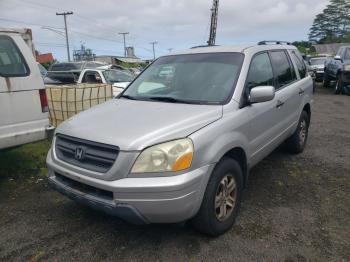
296	208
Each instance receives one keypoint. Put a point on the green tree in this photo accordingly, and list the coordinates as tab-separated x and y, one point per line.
333	24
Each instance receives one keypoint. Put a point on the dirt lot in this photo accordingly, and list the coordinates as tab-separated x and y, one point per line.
296	208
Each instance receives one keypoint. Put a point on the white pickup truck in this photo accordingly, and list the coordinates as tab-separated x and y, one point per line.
117	78
23	102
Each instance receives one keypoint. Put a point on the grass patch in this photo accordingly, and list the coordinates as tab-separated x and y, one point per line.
24	162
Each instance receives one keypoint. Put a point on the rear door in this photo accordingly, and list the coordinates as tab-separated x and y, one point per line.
21	111
288	89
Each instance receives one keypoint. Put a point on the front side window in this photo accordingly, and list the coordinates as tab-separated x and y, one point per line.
260	72
12	63
301	65
284	72
194	78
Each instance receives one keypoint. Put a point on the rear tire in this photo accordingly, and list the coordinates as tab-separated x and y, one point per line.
338	89
222	199
297	142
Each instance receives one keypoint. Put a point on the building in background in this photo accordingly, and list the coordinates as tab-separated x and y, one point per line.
119	60
83	54
44	58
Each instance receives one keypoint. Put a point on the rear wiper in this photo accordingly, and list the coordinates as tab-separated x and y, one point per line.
169	99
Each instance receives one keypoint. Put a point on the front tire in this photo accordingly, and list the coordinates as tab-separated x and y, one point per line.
222	199
297	142
326	80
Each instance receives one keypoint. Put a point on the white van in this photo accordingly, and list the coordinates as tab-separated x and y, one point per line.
23	103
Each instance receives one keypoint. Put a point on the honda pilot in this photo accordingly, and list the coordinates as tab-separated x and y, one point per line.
179	141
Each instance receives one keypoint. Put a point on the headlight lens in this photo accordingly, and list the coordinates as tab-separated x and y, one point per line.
346	67
170	156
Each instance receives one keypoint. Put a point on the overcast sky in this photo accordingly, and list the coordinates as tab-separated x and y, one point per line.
177	24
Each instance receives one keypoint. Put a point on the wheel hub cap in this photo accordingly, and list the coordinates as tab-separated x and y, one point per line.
225	198
303	132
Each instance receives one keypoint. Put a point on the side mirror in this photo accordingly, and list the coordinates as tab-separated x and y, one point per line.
261	94
337	57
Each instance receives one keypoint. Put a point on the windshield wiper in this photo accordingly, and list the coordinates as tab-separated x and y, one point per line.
169	99
128	97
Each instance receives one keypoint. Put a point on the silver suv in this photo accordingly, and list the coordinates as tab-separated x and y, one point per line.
179	142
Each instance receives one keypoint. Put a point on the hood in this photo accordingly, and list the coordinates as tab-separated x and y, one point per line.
121	84
134	125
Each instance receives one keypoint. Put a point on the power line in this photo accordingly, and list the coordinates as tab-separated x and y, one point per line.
72	31
65	28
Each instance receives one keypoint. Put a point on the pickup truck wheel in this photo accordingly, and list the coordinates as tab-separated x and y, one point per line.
326	80
338	89
222	199
296	143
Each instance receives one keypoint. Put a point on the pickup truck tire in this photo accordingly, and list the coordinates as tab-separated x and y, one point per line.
222	199
338	89
326	80
296	143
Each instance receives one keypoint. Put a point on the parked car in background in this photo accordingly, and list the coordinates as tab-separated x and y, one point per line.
117	78
23	103
317	65
69	72
47	80
180	147
134	71
338	69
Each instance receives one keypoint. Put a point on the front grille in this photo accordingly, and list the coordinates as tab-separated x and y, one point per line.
86	154
90	190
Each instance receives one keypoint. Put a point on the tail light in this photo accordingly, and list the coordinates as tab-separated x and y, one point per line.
43	101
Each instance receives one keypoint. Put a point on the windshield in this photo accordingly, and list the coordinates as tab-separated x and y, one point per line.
194	78
42	70
317	61
115	76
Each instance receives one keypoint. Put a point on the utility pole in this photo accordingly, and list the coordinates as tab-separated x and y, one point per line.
65	27
154	52
214	22
124	34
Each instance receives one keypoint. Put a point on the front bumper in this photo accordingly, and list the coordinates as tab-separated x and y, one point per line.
137	200
319	75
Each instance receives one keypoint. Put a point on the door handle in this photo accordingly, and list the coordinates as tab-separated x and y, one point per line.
279	104
301	92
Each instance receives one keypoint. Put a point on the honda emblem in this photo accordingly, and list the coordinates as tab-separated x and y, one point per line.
79	153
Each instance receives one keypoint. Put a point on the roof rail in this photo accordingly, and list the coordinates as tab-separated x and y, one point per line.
274	42
199	46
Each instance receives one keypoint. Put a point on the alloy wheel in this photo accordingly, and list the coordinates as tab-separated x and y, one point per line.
225	198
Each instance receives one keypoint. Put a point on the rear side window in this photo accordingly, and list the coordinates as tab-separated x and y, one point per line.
299	63
284	72
12	63
260	72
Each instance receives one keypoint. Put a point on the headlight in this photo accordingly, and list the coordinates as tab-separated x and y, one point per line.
346	67
170	156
